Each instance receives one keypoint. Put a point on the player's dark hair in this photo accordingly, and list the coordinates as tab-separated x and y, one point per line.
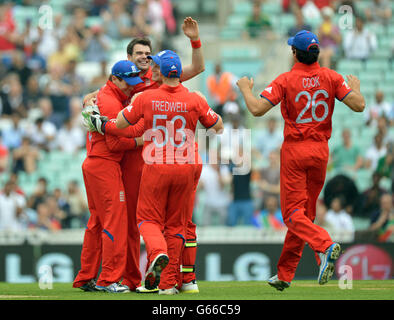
142	41
307	57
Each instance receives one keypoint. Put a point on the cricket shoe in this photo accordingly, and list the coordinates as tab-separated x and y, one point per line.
278	284
169	292
190	287
142	289
89	286
115	287
327	263
152	277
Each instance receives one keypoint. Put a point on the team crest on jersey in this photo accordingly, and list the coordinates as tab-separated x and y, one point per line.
268	89
211	112
345	84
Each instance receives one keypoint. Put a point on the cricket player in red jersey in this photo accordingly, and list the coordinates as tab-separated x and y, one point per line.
307	95
138	51
105	239
188	279
167	182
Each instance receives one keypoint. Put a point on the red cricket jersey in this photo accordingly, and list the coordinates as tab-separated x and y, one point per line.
138	129
147	84
170	116
307	94
110	101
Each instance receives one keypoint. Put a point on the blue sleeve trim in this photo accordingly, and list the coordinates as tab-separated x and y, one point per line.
103	126
109	235
214	123
127	120
345	95
267	100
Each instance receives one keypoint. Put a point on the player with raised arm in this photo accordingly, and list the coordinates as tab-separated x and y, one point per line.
307	95
137	51
170	115
105	240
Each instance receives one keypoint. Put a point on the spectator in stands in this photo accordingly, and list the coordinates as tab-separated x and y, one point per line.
385	167
359	42
78	203
64	207
157	23
329	37
59	91
270	217
101	79
117	22
97	45
368	201
231	139
12	96
19	67
379	11
269	177
214	181
36	62
78	24
39	194
46	219
300	24
346	156
76	81
241	208
60	57
32	93
382	220
141	19
4	156
42	134
341	185
258	22
25	157
321	212
8	32
381	107
75	113
221	87
270	138
375	152
70	139
57	215
12	136
97	6
12	205
337	218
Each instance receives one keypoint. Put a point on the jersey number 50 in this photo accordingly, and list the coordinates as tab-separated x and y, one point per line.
312	101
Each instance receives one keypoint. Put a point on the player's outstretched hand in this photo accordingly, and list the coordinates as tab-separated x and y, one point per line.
190	28
245	83
353	82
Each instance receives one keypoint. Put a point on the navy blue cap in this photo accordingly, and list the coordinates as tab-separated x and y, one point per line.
127	71
303	40
169	62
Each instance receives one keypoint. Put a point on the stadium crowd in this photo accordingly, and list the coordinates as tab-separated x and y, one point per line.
41	99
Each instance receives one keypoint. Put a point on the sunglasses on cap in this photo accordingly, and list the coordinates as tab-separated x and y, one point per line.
126	74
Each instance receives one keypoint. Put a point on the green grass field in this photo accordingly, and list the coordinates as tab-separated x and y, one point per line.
250	290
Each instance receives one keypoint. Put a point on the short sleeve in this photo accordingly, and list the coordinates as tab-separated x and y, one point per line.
133	112
341	87
274	92
207	116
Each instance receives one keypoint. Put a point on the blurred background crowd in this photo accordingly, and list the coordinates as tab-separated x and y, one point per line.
54	52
